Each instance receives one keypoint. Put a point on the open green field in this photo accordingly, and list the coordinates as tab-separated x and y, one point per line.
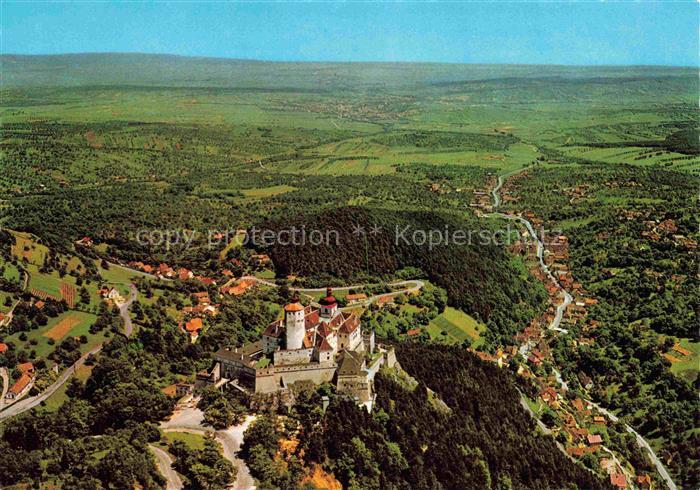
80	324
458	325
47	283
689	366
193	441
55	401
656	157
367	156
10	272
267	191
27	248
118	275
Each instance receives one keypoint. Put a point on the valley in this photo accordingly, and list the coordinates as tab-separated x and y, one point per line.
561	351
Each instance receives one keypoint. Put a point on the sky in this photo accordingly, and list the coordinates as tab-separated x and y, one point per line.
582	33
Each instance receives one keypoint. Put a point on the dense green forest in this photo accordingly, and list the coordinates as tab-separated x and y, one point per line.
461	426
478	277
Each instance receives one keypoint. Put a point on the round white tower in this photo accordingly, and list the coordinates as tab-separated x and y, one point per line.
294	323
329	305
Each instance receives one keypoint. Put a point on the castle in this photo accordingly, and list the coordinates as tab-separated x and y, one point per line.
317	345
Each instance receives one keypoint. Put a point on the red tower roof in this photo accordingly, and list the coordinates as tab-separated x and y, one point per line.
329	300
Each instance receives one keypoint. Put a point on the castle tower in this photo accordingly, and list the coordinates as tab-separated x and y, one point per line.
294	323
329	305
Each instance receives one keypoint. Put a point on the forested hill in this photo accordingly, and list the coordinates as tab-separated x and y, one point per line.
481	279
483	440
109	69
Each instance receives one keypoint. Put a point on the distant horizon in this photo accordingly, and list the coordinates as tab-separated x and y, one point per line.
292	61
493	33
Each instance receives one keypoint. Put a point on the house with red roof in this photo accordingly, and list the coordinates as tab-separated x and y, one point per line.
594	440
20	387
355	298
618	480
644	482
206	280
86	241
184	274
385	300
309	345
26	368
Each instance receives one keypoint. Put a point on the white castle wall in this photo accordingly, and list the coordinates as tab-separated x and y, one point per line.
272	382
299	356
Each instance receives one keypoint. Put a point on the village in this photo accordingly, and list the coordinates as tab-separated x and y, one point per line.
579	425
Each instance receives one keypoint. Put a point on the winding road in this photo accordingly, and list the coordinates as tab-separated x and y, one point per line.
190	419
5	383
165	466
554	325
415	285
28	403
124	310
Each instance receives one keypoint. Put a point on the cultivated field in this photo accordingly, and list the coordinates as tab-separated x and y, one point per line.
60	329
458	327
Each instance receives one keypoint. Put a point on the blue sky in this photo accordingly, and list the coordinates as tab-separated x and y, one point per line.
494	32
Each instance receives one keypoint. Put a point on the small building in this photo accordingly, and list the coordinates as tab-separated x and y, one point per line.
385	300
3	348
178	390
184	274
26	368
164	270
618	480
594	439
260	259
549	395
240	288
355	298
644	482
20	387
194	326
576	451
86	241
207	281
201	298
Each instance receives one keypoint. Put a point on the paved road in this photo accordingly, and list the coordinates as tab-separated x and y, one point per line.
138	272
190	419
415	285
165	462
557	320
5	384
28	403
124	310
